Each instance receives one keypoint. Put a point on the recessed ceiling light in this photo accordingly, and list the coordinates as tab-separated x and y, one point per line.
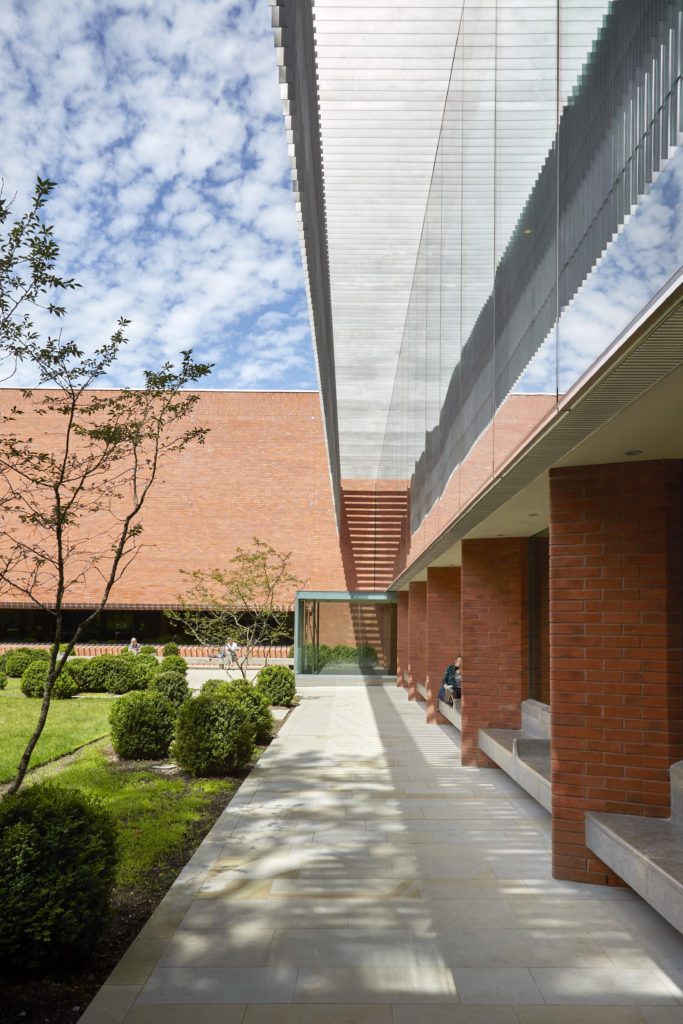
634	451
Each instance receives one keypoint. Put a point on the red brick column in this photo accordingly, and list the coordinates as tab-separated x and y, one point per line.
495	638
402	638
443	631
417	619
615	667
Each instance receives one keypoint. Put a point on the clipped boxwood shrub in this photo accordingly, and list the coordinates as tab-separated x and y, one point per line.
58	856
145	667
33	681
256	705
276	684
3	662
17	661
172	684
213	735
35	653
142	725
108	673
78	670
212	686
3	680
170	648
148	649
173	663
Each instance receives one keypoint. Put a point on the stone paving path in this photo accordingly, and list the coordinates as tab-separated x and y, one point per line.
362	875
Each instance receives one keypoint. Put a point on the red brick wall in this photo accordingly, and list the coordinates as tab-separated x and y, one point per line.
495	638
262	472
403	638
616	673
443	631
417	625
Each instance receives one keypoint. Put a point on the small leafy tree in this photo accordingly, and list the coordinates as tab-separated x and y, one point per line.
70	506
249	602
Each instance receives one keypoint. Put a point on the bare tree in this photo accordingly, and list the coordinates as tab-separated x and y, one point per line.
70	499
249	602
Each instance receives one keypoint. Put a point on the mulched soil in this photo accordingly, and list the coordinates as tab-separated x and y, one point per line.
62	997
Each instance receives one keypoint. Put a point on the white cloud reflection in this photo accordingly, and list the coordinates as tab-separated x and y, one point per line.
638	262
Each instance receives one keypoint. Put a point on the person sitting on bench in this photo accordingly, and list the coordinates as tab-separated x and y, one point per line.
451	684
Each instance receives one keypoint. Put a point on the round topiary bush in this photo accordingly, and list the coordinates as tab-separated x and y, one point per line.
148	649
277	684
78	671
212	686
33	679
108	673
256	705
35	653
33	682
213	735
145	667
58	856
173	663
17	661
170	648
173	685
142	725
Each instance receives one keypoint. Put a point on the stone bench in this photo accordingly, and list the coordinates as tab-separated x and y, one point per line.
524	754
452	712
646	852
449	711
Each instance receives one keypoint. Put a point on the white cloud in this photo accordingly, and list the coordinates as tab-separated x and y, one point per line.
162	125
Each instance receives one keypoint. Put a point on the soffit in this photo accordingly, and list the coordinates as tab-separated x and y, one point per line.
631	403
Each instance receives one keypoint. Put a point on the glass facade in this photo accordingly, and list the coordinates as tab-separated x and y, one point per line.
345	634
553	219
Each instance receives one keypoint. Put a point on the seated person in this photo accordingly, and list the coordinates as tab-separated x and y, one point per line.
451	684
134	646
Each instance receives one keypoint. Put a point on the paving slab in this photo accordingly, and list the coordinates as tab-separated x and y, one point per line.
363	875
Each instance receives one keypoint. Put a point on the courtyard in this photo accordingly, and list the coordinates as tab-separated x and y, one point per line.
362	874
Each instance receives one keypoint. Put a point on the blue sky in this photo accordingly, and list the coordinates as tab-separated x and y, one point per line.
162	124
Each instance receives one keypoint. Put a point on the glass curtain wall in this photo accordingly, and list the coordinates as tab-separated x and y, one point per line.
343	634
554	217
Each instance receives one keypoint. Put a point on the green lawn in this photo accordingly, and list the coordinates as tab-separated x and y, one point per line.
153	812
70	724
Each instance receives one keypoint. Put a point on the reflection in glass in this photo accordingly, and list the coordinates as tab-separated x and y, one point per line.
553	217
341	635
